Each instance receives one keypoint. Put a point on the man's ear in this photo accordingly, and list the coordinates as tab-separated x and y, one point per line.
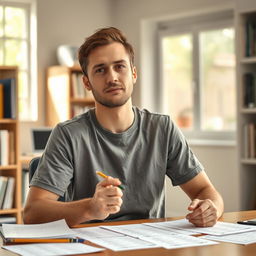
86	82
134	75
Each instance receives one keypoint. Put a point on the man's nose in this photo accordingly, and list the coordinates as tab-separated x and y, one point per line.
112	76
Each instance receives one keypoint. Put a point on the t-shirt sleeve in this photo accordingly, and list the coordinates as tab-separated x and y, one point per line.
182	164
55	169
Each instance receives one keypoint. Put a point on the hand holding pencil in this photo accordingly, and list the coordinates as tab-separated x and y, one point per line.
105	177
107	198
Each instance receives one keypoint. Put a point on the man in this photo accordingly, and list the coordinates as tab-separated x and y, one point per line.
133	147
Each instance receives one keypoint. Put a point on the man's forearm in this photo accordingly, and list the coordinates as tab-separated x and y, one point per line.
215	197
45	210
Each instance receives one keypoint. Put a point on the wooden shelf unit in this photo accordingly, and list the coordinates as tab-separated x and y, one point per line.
60	100
245	10
14	169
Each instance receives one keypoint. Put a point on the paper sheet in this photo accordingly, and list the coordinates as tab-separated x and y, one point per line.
174	241
123	243
94	232
160	237
241	238
168	225
139	230
47	230
51	249
221	228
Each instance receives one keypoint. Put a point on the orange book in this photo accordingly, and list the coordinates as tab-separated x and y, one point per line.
1	101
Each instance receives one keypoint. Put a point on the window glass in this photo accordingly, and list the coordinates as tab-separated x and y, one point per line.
177	78
198	76
1	52
1	21
15	50
217	79
16	53
15	22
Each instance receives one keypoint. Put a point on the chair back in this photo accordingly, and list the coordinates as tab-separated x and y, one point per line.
33	166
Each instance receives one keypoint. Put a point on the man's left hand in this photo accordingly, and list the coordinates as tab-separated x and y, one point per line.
204	213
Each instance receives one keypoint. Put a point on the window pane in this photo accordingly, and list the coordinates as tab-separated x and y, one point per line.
1	21
218	79
16	53
177	79
23	85
1	52
15	22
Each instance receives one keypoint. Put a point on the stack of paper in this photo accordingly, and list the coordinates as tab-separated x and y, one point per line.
48	232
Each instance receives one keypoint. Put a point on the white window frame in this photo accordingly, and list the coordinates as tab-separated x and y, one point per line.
193	26
30	7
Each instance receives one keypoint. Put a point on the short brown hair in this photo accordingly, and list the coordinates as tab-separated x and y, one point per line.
103	37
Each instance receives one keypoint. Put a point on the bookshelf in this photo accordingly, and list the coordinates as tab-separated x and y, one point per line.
245	18
65	94
10	167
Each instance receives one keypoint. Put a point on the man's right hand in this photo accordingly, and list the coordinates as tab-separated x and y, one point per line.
107	199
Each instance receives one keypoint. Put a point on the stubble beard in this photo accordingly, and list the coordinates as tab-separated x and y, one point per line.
111	103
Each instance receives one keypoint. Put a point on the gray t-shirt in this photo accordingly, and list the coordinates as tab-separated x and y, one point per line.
140	157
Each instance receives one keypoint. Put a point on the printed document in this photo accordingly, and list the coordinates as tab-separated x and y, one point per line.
174	241
123	243
221	228
94	232
139	230
241	238
51	249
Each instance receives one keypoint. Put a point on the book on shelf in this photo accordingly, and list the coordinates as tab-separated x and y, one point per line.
11	142
4	147
250	38
9	193
249	81
250	140
7	219
7	147
3	186
1	101
9	93
78	89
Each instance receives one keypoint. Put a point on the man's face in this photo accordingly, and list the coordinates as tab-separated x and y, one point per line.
110	75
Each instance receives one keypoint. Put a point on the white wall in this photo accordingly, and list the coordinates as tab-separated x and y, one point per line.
69	21
220	163
61	22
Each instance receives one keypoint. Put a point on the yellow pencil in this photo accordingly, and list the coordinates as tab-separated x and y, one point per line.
42	240
105	176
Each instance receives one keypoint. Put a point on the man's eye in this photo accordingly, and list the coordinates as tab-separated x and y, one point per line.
120	66
99	70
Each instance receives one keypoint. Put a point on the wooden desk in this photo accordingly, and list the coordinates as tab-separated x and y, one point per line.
221	249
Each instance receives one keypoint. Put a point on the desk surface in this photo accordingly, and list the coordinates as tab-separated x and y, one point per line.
213	250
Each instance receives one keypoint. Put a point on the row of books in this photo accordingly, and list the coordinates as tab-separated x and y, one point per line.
77	110
7	98
7	219
249	82
250	39
250	140
78	89
7	148
7	185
